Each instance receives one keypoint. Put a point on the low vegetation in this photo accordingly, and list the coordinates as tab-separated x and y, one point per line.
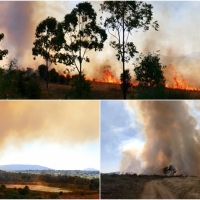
131	186
30	84
123	186
79	187
184	187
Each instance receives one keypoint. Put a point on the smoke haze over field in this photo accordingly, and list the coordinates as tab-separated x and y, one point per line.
177	38
57	134
55	121
171	136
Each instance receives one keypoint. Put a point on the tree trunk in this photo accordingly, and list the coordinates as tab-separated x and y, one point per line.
123	57
47	75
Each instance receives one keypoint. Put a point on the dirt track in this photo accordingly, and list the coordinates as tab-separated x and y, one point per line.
156	190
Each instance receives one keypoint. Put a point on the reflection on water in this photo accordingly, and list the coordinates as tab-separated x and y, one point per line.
38	188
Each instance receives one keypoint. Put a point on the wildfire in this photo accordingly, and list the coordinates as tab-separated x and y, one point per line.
179	81
107	77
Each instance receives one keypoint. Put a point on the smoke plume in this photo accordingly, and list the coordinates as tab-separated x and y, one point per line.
172	136
71	122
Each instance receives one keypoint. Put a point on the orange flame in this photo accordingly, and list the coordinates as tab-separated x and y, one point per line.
179	82
107	77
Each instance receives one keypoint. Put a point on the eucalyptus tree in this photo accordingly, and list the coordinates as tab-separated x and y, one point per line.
4	52
81	34
123	18
47	43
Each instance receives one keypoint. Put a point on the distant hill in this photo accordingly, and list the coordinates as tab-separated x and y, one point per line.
90	169
19	167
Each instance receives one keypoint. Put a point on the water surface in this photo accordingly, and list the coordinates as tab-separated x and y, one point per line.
38	188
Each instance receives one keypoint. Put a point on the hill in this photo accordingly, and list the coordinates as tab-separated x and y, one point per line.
90	169
17	167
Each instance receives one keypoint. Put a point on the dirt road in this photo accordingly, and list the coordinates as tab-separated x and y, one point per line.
156	190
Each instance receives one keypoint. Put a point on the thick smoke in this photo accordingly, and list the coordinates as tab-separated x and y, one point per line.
172	136
71	122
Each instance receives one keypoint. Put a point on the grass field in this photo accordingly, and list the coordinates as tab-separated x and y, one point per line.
184	187
123	186
132	187
113	91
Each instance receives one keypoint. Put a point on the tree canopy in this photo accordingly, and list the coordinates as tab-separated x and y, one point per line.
149	71
47	42
4	52
80	35
169	170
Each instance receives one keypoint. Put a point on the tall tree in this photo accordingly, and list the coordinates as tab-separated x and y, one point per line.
81	34
126	16
4	52
47	43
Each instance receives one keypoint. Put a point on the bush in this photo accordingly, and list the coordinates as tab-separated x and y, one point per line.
150	92
125	78
80	88
3	187
33	90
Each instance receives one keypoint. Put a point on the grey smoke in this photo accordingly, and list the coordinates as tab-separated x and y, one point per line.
172	136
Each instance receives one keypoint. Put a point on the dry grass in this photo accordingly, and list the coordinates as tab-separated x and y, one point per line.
123	186
184	187
113	91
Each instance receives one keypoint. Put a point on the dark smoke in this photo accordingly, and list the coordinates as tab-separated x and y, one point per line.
172	136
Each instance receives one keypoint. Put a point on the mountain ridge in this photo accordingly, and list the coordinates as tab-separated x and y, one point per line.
16	167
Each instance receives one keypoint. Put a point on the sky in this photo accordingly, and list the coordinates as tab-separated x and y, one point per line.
143	137
56	134
177	39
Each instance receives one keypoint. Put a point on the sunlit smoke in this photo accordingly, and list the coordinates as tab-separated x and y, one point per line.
171	136
65	123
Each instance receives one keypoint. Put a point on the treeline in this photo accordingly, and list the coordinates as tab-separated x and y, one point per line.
17	177
92	184
17	83
11	177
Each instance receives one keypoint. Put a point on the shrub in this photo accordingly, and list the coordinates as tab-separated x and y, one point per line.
80	88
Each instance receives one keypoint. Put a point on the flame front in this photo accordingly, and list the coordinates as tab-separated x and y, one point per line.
109	77
179	81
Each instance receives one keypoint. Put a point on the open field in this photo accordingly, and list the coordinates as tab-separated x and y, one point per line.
184	188
102	90
15	185
13	193
149	187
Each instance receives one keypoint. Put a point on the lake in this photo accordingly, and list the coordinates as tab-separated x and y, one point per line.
37	188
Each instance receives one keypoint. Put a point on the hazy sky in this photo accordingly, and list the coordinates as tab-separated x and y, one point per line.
55	134
178	35
146	136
